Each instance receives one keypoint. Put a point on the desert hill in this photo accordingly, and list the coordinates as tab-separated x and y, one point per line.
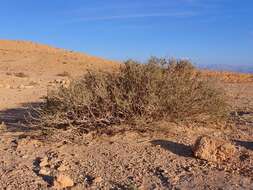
29	68
33	57
26	46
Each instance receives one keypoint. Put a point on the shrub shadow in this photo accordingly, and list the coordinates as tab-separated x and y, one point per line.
245	144
47	178
174	147
16	118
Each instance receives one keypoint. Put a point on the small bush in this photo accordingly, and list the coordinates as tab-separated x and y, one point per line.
158	90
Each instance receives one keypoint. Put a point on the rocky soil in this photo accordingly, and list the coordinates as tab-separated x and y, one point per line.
161	155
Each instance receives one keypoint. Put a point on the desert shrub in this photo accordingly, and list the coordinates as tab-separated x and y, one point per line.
160	89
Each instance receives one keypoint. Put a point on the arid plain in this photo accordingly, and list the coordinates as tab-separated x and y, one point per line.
128	159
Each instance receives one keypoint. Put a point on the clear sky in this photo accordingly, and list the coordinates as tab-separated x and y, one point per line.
205	31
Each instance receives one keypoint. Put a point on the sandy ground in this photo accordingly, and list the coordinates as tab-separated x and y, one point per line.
132	159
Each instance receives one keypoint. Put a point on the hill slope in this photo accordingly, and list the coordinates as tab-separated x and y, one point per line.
22	55
27	68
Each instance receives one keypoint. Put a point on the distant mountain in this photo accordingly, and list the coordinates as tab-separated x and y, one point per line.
233	68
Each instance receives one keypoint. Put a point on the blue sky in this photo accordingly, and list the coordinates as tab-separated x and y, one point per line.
205	31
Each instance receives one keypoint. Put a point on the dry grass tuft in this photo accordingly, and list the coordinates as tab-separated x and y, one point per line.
64	74
3	127
161	89
20	75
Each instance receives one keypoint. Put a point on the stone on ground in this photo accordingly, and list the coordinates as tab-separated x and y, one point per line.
213	149
63	181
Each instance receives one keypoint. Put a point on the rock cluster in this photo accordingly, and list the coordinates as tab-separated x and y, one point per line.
61	180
